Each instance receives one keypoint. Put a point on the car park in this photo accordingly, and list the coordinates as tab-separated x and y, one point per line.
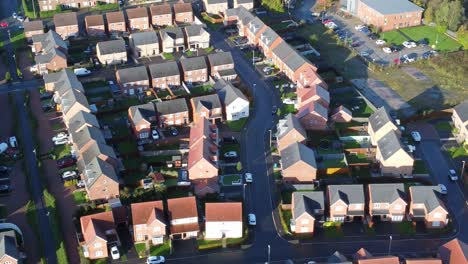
355	44
20	18
252	219
364	53
155	260
442	188
5	169
408	58
3	24
452	175
230	154
359	27
115	252
248	177
380	42
387	50
409	44
154	134
373	36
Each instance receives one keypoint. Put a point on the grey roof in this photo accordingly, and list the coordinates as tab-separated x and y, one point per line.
65	78
172	33
212	2
245	2
255	25
145	38
227	72
142	112
227	92
245	16
283	50
268	36
194	30
132	74
294	61
344	109
337	257
50	40
207	101
96	149
349	194
427	195
193	63
220	58
392	7
462	111
297	152
307	202
47	56
232	12
85	135
389	144
65	19
313	107
379	118
97	168
82	118
171	106
111	46
387	192
8	244
33	25
72	97
289	123
164	69
323	93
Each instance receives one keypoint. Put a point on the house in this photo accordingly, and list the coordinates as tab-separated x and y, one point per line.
183	218
85	137
269	40
215	6
42	43
388	16
72	102
313	116
454	252
280	53
306	208
222	66
247	4
50	5
426	205
423	261
101	180
161	15
165	75
66	25
138	19
112	52
172	113
96	149
223	220
236	105
337	257
32	28
380	123
203	154
254	28
315	93
194	69
298	164
116	23
197	37
144	44
50	60
172	39
65	87
392	156
80	120
65	77
9	253
460	121
342	114
347	202
141	118
133	80
183	13
149	222
387	202
95	25
98	231
207	106
362	256
289	131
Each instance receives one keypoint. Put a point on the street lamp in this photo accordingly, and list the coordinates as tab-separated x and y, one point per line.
243	192
390	245
268	253
462	171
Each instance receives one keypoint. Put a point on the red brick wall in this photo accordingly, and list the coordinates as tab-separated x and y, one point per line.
388	22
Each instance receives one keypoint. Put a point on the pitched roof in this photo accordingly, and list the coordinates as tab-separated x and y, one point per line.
294	61
8	245
115	17
255	25
454	251
297	152
200	143
184	207
220	58
111	46
50	40
63	79
313	107
97	149
212	2
171	106
145	38
380	260
86	134
82	118
133	74
48	56
379	118
283	50
307	202
289	123
394	7
33	25
227	92
268	36
164	69
245	16
194	30
137	12
71	98
182	7
362	253
349	194
387	192
206	101
423	261
142	112
147	212
223	212
193	63
462	111
337	257
343	109
94	20
65	19
427	195
172	33
162	9
389	144
96	225
96	169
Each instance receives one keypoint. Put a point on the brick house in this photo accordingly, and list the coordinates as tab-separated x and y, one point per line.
9	253
183	13
172	39
380	123
247	4
306	208
144	44
460	121
133	80
280	53
165	75
289	131
387	201
63	88
315	93
454	252
342	114
65	77
313	116
426	205
215	6
149	223
346	202
196	37
85	137
49	5
32	28
235	103
72	102
223	220
116	23
80	120
138	19
172	113
207	106
183	218
101	180
254	29
98	231
389	16
222	66
96	149
161	15
111	52
66	25
50	60
269	40
392	156
95	25
194	69
42	43
141	118
298	164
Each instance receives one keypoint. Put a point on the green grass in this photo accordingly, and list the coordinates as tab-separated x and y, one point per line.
361	172
406	228
228	179
201	90
357	158
56	226
17	39
127	147
168	56
237	125
93	85
351	144
230	147
105	7
461	151
332	230
419	167
288	109
61	151
28	8
334	163
211	244
285	216
79	197
161	250
444	126
140	249
393	37
444	43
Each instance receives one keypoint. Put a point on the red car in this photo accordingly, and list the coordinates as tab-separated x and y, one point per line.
65	162
327	21
3	24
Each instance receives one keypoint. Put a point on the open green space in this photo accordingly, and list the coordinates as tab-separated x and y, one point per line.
393	37
140	249
238	125
444	42
54	218
229	179
419	167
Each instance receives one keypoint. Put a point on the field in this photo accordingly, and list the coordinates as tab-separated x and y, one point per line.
444	43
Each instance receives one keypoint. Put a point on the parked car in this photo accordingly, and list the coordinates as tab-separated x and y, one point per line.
443	189
407	58
20	18
47	108
154	134
82	72
61	141
60	136
274	110
423	42
268	69
155	260
5	169
428	54
452	175
252	219
364	54
380	42
373	36
230	154
69	175
4	176
173	131
409	44
359	27
387	50
3	24
46	95
115	252
257	59
80	184
5	188
65	162
326	21
416	136
14	15
355	44
248	177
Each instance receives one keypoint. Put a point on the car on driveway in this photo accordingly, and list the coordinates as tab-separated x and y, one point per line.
60	136
65	162
248	177
115	252
69	175
452	175
3	24
62	141
155	260
443	189
154	134
409	44
416	136
174	131
230	154
252	219
380	42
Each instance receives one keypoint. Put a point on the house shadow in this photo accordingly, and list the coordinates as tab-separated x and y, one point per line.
433	98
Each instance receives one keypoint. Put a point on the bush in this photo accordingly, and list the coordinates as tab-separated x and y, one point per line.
8	76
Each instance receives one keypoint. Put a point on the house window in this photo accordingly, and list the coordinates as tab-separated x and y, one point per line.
376	206
139	236
339	208
98	253
97	244
305	221
157	229
437	215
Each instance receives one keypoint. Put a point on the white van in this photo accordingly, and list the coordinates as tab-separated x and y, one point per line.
82	72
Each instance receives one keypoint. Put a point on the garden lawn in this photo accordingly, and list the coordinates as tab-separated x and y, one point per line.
334	163
357	158
201	90
163	249
444	126
332	230
140	249
237	125
230	147
79	197
419	167
351	144
286	216
61	151
461	151
406	228
228	179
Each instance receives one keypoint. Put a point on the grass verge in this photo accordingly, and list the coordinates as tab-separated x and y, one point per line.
56	227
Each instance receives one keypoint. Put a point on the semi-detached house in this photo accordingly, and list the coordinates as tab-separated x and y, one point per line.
223	220
298	164
194	70
32	28
235	103
95	25
206	106
183	13
111	52
66	25
161	15
306	209
172	39
133	80
101	180
144	44
426	205
165	75
172	113
98	231
141	118
148	222
116	23
138	19
196	37
222	66
289	131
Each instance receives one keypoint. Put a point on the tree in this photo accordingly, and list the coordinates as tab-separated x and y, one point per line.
273	5
462	36
429	15
239	166
449	14
8	76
